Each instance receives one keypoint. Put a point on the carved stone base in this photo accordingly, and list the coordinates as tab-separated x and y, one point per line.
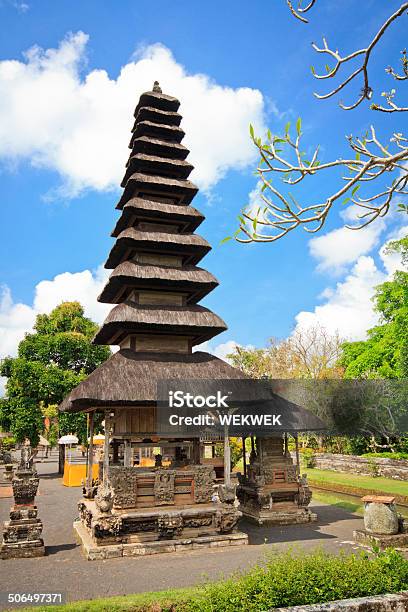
279	517
22	550
399	540
22	534
94	552
155	528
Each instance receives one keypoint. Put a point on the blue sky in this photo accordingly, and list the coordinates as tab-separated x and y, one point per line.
57	213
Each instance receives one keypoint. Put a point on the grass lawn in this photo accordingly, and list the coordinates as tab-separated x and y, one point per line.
140	602
380	484
339	500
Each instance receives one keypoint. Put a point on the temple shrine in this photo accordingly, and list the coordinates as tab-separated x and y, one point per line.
157	494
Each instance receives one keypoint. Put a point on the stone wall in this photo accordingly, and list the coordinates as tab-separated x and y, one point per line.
389	468
379	603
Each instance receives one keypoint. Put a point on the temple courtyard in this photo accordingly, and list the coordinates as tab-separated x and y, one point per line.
65	569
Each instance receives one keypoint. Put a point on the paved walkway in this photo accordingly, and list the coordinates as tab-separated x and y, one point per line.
64	569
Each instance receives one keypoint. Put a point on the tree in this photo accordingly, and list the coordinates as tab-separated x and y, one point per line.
379	167
385	353
50	363
308	353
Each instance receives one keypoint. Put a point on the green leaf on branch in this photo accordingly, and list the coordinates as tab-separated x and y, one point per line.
299	126
226	239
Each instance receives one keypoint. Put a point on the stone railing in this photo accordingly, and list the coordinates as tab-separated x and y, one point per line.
378	603
366	466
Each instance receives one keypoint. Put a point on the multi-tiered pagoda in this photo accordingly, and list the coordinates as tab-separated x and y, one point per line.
156	320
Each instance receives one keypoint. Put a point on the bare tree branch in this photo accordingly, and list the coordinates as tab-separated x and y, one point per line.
364	53
280	213
300	11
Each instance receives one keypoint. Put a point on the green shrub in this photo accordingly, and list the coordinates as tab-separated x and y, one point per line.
373	468
8	443
308	458
386	455
291	579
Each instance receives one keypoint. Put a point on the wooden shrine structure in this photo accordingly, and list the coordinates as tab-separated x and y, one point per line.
153	494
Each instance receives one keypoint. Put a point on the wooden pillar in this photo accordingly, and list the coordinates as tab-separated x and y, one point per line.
90	449
297	454
61	458
196	451
244	455
106	448
227	459
127	456
115	451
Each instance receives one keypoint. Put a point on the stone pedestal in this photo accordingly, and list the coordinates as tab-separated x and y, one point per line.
272	492
22	533
383	526
380	514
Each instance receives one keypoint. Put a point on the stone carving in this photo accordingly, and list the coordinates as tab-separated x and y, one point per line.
305	493
169	526
8	472
124	484
204	477
164	487
85	514
226	519
106	526
18	513
25	480
272	479
25	485
22	533
131	525
26	458
198	521
104	498
226	494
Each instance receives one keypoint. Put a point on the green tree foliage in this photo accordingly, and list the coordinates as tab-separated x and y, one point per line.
385	353
50	362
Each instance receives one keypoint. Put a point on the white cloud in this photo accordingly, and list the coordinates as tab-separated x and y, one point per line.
79	123
223	349
343	246
16	318
348	308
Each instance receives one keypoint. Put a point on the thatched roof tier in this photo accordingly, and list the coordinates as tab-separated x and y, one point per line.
156	115
128	318
193	281
138	184
161	148
157	100
152	164
190	246
187	217
130	379
173	133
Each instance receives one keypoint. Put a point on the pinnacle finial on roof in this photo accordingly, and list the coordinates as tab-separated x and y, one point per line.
156	87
